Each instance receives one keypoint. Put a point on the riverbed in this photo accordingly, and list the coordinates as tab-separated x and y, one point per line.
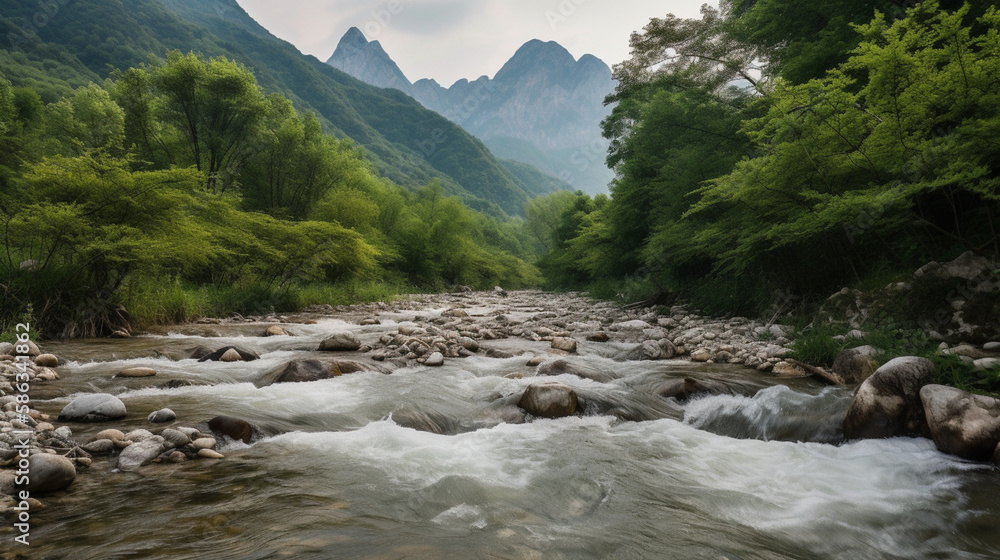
352	467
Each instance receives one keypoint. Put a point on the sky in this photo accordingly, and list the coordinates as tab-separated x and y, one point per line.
452	39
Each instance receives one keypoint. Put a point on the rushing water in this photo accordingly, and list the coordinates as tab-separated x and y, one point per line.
339	475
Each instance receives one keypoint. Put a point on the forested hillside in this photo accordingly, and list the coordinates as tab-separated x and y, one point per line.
84	40
759	160
179	188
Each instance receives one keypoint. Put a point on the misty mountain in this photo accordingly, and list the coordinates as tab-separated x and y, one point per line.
543	107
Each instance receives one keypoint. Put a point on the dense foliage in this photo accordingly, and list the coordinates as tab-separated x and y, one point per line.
182	173
756	158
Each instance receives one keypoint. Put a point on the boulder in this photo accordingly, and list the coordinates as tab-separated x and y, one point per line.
161	416
967	266
303	371
598	337
46	360
49	473
962	423
217	355
95	407
565	344
6	348
340	342
888	404
234	428
275	330
854	365
137	372
549	400
140	453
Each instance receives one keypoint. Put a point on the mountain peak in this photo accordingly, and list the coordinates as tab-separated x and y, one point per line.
367	61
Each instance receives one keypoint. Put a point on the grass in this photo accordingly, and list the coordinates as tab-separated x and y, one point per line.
156	303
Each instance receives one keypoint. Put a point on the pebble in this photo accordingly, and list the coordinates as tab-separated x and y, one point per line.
204	443
210	454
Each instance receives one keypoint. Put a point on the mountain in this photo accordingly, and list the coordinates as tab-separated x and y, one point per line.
543	107
84	40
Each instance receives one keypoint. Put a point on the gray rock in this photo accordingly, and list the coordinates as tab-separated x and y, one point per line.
275	330
700	355
161	416
245	355
634	325
560	367
434	359
140	453
33	350
549	400
99	447
989	347
854	365
340	342
984	364
231	355
174	438
962	423
95	407
204	443
139	435
137	372
967	266
111	434
49	473
888	403
6	348
565	344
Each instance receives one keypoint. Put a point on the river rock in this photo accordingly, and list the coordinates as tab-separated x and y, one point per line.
99	447
634	325
598	337
303	371
140	453
854	365
434	359
967	266
984	364
701	355
161	416
683	389
6	349
340	342
46	360
989	347
549	400
275	330
110	433
785	369
49	473
962	423
565	344
216	356
231	355
888	404
560	367
139	435
210	454
137	372
32	352
234	428
204	443
468	343
174	438
95	407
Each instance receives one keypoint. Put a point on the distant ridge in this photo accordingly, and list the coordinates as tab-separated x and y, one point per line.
543	107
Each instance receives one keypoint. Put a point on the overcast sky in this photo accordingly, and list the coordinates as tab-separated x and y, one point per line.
452	39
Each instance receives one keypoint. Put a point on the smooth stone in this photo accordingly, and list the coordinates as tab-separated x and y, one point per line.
161	416
888	403
175	438
137	372
992	346
854	365
565	344
275	330
231	355
111	434
49	473
33	350
435	359
46	360
598	337
785	369
340	342
537	360
139	435
6	349
245	355
140	453
984	364
95	407
469	344
204	443
701	355
562	367
234	428
99	447
45	427
210	454
62	431
549	400
962	423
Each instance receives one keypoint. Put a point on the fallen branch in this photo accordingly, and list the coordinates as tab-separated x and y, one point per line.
822	374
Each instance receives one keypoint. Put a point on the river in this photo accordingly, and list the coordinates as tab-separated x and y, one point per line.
339	472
